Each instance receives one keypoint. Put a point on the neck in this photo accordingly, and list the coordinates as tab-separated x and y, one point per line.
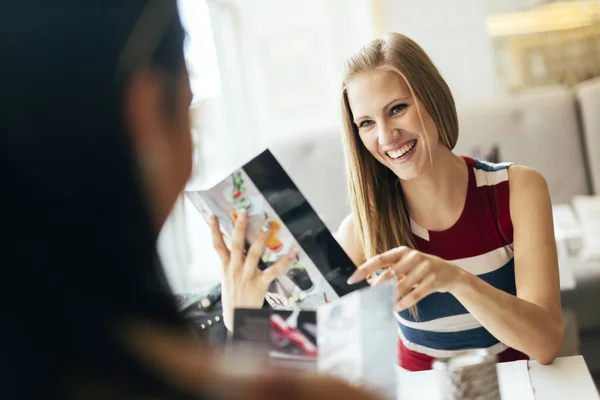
436	198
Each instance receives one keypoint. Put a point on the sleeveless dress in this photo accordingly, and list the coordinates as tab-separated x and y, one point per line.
480	242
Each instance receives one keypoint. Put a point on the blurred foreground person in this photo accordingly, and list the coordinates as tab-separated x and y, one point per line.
95	148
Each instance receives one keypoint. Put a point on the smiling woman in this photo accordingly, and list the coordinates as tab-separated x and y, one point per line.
470	243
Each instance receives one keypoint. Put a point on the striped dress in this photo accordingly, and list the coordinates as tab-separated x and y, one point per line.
480	242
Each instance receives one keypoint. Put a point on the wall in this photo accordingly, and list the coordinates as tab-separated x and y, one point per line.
288	55
285	56
453	34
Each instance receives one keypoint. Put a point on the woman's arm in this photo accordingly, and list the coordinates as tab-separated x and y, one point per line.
532	321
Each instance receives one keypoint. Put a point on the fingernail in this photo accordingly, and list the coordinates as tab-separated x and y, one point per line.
292	254
242	213
212	219
266	226
351	280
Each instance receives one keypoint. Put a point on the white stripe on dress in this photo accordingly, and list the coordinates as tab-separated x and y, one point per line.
418	230
487	262
490	178
454	323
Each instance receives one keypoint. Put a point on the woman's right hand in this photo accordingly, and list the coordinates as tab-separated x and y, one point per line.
244	284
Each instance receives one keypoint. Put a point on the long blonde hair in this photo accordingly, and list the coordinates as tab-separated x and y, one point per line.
380	214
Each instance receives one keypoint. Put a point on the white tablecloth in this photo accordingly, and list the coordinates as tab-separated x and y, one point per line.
566	379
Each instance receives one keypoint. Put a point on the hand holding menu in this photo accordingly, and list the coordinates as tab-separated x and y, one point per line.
266	192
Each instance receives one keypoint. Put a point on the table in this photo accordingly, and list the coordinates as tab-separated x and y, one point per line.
566	378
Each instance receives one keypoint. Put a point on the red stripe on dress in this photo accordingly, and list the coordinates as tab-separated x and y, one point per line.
414	361
476	232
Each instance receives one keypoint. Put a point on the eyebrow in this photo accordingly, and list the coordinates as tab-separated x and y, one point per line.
384	107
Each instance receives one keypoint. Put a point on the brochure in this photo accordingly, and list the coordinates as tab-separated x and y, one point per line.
267	193
357	337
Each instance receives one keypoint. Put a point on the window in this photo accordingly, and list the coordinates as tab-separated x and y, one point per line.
200	50
184	243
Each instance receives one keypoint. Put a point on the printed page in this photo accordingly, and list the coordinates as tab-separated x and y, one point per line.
339	339
266	192
380	338
358	340
514	382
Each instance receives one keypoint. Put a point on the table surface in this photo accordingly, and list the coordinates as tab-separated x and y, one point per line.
566	378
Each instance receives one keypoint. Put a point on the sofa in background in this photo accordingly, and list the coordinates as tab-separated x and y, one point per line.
539	129
555	130
588	96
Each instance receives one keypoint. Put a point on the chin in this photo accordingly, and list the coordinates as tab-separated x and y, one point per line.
406	174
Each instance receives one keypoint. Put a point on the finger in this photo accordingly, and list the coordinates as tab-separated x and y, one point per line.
423	289
238	239
409	261
276	269
388	275
257	249
218	242
418	274
381	261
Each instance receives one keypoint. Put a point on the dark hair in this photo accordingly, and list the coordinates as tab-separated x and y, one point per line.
78	251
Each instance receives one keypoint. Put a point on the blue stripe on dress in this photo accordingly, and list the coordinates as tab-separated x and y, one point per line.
477	338
440	305
490	167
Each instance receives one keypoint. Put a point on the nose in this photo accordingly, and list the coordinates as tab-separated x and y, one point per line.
385	135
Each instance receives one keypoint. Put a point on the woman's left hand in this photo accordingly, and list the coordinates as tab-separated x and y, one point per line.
418	274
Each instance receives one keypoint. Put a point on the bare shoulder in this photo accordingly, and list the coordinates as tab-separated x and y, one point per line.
347	236
522	177
347	231
529	194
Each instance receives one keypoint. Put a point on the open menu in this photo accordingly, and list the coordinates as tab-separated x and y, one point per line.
267	193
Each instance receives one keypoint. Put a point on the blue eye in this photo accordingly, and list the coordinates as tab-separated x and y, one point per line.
366	123
397	108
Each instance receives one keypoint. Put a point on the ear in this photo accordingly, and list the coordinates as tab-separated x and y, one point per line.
142	109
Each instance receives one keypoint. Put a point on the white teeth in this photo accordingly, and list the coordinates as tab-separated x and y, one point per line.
402	150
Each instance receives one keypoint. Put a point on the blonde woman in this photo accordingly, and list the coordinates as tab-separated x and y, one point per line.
470	243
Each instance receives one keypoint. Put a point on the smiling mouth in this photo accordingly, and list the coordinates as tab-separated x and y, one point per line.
403	151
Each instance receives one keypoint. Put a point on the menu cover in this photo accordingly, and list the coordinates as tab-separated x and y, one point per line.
266	192
357	337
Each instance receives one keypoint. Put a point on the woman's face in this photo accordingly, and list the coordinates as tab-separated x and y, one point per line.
388	123
162	137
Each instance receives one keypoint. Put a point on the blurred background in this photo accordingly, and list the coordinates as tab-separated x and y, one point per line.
266	73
